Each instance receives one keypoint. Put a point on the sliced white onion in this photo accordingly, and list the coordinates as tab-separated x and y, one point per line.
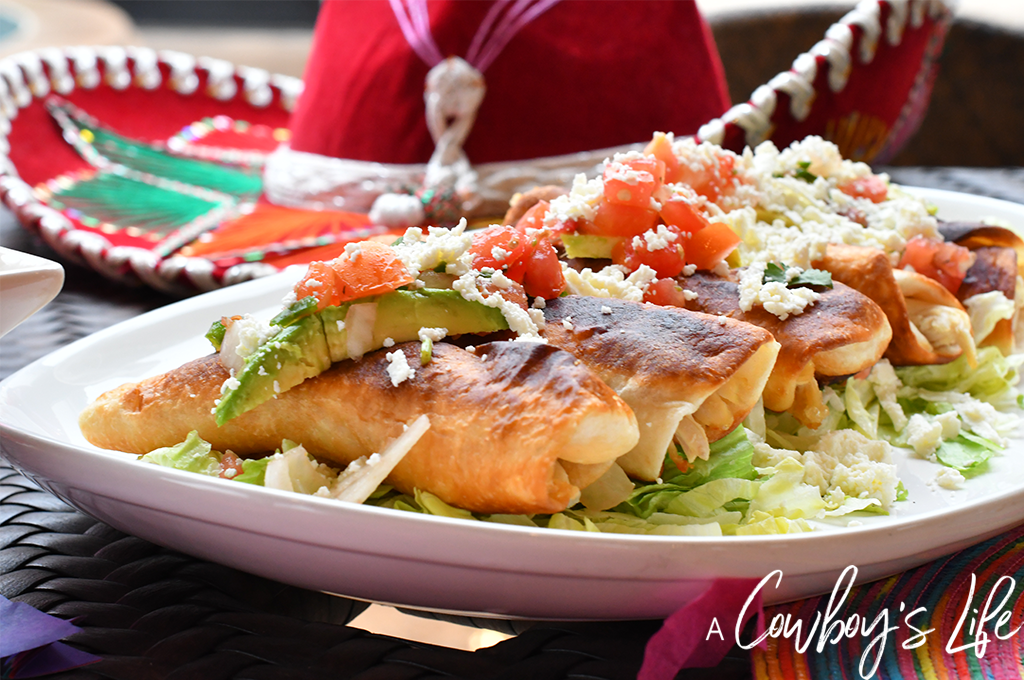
363	475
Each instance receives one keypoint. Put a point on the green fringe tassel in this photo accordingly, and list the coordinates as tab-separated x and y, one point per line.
124	202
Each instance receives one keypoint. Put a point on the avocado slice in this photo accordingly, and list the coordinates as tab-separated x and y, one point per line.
589	245
298	352
312	343
401	314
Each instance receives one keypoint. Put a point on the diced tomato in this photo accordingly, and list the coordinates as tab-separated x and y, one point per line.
615	219
712	179
667	262
665	292
944	262
230	465
543	277
683	215
498	247
872	187
661	148
626	184
534	218
374	269
709	246
320	281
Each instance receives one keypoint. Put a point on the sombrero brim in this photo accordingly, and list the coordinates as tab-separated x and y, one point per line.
144	207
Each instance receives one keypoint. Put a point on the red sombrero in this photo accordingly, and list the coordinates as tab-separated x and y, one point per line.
194	173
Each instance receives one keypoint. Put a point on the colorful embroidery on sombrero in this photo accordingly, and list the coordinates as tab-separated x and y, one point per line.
106	150
190	206
279	230
226	140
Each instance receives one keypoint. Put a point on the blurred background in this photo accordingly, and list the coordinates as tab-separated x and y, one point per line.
976	108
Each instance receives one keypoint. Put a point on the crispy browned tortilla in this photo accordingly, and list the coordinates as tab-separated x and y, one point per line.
929	325
842	333
514	428
688	376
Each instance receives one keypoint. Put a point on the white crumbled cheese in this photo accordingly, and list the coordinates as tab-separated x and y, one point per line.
499	280
843	463
610	282
580	203
567	323
981	418
261	371
605	309
398	369
470	348
499	254
277	387
721	269
781	217
230	473
774	296
948	478
950	423
689	294
313	283
655	239
432	334
231	383
539	303
424	252
689	270
353	251
389	342
483	357
923	435
522	322
241	340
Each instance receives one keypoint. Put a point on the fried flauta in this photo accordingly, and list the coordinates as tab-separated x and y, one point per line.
992	292
688	377
514	427
842	333
929	325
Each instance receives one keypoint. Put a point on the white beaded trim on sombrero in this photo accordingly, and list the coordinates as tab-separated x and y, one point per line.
23	77
754	116
320	182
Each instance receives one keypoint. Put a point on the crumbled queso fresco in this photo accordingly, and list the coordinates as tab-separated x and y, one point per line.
786	207
425	252
398	369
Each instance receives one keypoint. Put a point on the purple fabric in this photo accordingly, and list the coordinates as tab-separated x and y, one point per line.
28	642
52	658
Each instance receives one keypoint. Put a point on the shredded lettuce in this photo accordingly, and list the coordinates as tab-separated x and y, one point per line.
192	455
967	452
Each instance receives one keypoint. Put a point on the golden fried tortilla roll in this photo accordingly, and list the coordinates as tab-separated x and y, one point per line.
993	319
502	421
929	325
998	266
687	376
842	333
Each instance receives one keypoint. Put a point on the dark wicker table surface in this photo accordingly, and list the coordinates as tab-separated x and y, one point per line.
153	613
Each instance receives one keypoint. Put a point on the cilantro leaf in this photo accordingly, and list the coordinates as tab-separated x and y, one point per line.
808	278
804	174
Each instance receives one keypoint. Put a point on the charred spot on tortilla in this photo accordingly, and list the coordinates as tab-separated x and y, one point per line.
688	377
